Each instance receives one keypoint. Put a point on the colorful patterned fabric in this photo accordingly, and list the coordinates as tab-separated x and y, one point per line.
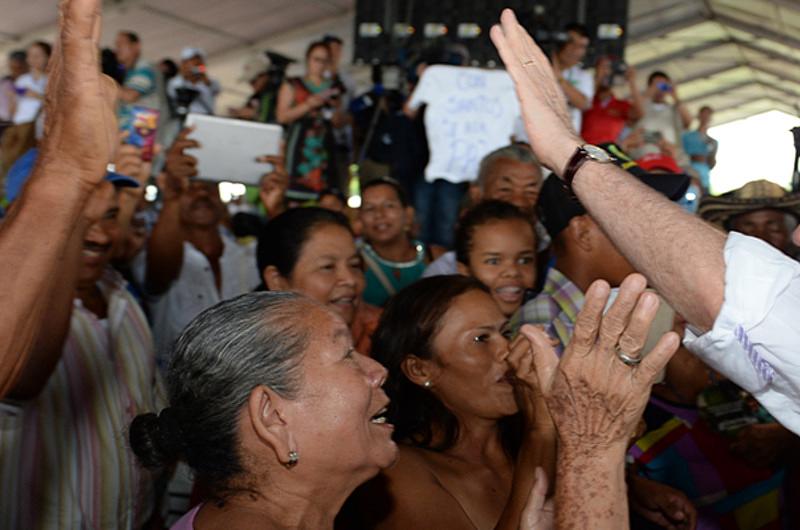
680	450
556	307
309	146
64	457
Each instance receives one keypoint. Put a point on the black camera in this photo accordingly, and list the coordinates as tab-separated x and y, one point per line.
184	97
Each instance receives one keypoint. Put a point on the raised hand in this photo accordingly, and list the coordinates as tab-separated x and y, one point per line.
274	184
80	125
179	167
538	513
530	396
594	398
544	108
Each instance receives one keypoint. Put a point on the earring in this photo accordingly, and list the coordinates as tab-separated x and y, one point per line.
293	459
427	384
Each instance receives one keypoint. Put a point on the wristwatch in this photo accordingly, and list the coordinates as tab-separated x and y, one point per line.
584	153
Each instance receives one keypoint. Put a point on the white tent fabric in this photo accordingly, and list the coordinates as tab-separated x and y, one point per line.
740	56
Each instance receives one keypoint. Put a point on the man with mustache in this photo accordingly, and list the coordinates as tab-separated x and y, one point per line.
192	262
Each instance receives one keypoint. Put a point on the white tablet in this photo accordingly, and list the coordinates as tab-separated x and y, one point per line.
229	148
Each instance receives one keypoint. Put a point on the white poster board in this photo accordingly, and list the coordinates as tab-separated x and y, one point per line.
470	113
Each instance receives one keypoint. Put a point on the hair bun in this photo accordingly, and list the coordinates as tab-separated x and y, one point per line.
156	440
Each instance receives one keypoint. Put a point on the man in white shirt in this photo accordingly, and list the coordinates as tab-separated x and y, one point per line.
740	296
576	83
470	112
192	262
192	75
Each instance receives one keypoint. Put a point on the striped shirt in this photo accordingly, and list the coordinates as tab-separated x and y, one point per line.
556	307
64	457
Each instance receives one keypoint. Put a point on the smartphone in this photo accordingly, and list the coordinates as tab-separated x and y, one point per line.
664	87
141	124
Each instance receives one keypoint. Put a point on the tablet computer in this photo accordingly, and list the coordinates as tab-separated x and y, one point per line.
229	148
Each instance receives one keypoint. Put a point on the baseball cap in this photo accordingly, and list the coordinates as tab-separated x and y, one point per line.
189	53
557	206
19	172
659	161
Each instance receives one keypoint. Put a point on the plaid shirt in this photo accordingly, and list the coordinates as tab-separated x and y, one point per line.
556	307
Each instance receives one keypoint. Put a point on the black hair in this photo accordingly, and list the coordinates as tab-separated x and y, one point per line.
327	39
131	36
657	73
18	55
334	192
169	68
706	107
408	326
45	47
317	44
392	183
281	240
580	29
484	212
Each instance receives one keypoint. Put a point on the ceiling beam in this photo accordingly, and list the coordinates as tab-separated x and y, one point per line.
722	90
656	30
683	53
745	102
738	86
705	74
782	76
772	54
757	30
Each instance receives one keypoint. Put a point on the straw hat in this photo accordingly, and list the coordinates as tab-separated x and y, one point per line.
755	195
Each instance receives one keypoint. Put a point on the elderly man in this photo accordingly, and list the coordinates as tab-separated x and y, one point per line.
739	295
759	209
510	174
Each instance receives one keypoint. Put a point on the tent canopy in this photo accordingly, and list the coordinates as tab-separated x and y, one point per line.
742	57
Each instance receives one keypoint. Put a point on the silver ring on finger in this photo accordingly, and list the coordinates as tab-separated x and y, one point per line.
628	360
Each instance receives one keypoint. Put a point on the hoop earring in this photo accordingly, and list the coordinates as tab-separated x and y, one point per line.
293	459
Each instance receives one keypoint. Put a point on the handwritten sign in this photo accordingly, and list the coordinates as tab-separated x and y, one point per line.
470	113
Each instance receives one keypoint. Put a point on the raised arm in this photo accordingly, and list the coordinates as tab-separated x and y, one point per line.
165	246
40	231
596	394
654	234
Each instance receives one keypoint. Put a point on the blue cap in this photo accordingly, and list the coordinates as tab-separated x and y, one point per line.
19	172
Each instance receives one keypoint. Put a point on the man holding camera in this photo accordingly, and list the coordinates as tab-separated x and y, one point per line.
608	115
665	116
193	77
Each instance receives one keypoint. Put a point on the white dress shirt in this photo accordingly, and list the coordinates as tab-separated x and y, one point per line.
755	340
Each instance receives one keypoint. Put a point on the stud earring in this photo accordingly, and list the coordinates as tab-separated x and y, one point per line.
293	459
427	384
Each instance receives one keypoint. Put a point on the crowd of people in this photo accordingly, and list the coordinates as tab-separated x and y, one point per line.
298	363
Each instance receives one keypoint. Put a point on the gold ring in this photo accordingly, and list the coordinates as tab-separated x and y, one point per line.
528	62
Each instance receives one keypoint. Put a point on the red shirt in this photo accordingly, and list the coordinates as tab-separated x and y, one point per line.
604	121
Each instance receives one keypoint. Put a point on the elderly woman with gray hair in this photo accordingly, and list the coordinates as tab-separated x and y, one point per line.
275	412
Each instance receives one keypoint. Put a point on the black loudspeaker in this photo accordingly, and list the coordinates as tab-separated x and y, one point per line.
396	32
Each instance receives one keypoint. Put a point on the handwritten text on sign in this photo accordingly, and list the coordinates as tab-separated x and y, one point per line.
472	114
